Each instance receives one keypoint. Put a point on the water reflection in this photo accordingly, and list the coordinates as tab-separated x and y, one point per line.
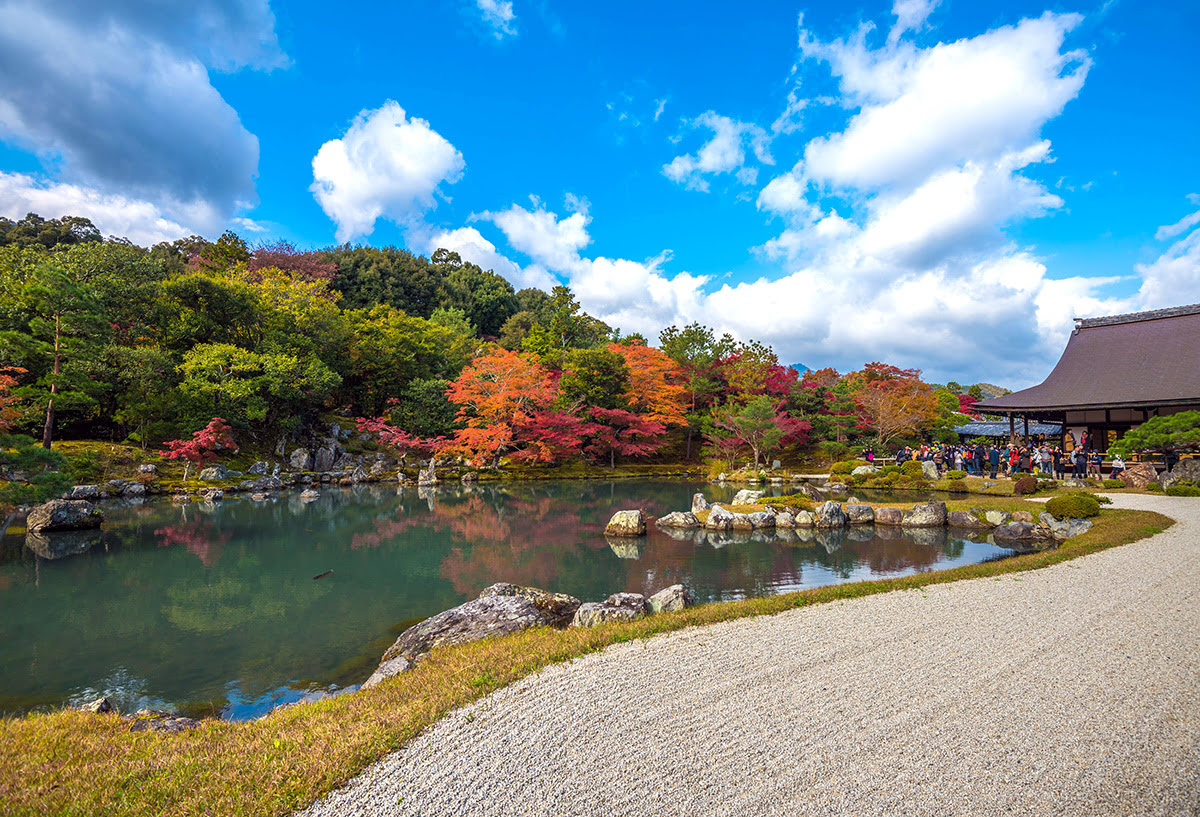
214	605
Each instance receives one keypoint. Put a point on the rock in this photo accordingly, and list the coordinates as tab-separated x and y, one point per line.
626	523
1076	483
929	470
323	460
927	515
214	473
300	460
617	607
428	476
258	496
1139	475
837	488
993	518
804	519
267	484
388	669
966	519
830	515
718	519
746	497
60	544
1064	529
864	471
860	514
721	477
280	446
785	520
678	519
162	722
810	491
259	468
149	469
180	499
100	705
1022	516
699	503
64	514
558	608
675	597
1023	537
740	521
853	500
1188	469
83	492
761	519
134	489
212	494
470	477
359	475
476	619
309	494
889	516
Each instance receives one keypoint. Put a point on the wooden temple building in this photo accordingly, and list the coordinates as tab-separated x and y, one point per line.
1115	373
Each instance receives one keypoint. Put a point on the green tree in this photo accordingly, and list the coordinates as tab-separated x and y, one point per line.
757	424
593	378
370	275
1171	434
562	325
487	299
696	350
423	409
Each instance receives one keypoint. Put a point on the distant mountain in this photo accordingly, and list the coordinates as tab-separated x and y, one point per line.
991	390
799	367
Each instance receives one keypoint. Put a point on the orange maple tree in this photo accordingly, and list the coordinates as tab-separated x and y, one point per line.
496	393
896	400
655	383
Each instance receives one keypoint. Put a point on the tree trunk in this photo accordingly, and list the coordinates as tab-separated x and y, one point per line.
48	431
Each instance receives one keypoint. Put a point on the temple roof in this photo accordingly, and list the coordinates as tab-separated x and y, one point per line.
1139	359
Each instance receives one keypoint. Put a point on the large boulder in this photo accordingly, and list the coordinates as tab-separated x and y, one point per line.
926	515
785	520
746	497
993	518
675	597
678	519
476	619
1023	537
214	473
966	519
719	519
831	515
740	521
1188	469
617	607
929	470
761	519
428	475
64	514
1064	529
558	608
626	523
860	514
864	471
888	516
1139	475
300	460
699	503
388	669
804	519
259	468
323	461
83	492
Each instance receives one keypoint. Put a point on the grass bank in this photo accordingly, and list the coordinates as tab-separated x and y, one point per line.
81	763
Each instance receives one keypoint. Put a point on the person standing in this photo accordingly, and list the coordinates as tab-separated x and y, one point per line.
1079	460
1057	456
1118	465
1094	463
994	460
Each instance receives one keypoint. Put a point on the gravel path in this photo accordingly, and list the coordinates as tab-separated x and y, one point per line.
1073	690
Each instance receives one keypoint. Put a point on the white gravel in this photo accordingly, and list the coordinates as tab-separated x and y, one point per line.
1073	690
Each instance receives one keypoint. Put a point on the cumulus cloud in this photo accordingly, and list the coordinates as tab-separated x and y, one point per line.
499	16
386	165
910	16
140	221
472	246
1173	277
725	152
117	97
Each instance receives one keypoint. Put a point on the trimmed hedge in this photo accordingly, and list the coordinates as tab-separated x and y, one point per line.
912	468
958	486
841	468
1184	489
1154	487
1113	483
1074	506
956	475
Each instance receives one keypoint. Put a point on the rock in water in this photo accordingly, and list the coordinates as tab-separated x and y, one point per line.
300	460
830	515
928	515
626	523
1140	475
860	514
64	514
1023	537
61	544
309	494
761	519
805	519
966	519
558	608
617	607
718	519
888	516
699	503
84	492
678	519
675	597
100	706
428	476
479	618
624	547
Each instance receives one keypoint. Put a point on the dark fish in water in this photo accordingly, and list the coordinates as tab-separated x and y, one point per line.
322	575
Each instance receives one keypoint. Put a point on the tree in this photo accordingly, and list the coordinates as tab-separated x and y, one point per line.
696	351
758	425
896	401
548	436
619	432
562	325
283	255
203	446
35	230
423	409
487	299
1171	434
654	383
396	438
593	378
9	377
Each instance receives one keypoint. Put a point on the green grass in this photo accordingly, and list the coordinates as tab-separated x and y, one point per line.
79	763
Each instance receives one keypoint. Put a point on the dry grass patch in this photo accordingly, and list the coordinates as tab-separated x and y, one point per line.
77	763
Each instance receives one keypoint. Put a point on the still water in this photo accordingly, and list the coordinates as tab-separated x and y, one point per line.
215	610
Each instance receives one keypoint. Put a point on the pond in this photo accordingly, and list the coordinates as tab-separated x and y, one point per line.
214	608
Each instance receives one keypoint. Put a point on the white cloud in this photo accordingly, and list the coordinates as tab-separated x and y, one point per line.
117	97
472	246
723	153
1172	230
552	242
789	121
1174	277
140	221
498	14
659	107
910	16
386	164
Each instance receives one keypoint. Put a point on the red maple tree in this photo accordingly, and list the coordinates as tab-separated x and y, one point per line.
203	446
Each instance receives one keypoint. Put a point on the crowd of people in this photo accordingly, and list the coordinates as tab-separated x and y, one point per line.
994	460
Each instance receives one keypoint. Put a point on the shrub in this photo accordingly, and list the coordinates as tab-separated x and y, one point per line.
841	468
1074	506
1019	475
1025	485
1154	487
956	475
957	486
1113	483
912	468
86	468
1183	489
888	470
1047	484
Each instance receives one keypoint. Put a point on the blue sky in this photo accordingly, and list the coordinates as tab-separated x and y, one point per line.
939	185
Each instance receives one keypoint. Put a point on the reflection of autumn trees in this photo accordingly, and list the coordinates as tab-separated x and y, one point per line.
201	538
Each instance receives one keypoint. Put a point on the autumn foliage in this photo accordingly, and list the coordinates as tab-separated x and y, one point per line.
203	446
